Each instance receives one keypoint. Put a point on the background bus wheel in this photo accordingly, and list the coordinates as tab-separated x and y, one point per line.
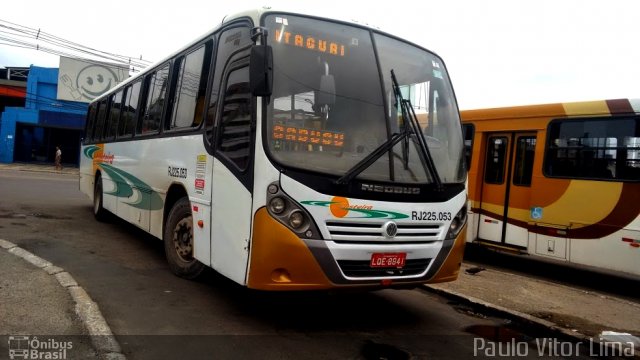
178	241
99	212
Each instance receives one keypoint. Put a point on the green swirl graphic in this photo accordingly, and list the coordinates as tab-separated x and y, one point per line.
148	200
90	150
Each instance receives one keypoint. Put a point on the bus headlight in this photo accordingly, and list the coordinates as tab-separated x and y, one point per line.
296	219
457	223
290	213
277	205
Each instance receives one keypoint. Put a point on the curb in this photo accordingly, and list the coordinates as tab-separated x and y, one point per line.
102	338
40	169
526	319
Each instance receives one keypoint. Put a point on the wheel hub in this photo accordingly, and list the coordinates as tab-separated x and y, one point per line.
183	239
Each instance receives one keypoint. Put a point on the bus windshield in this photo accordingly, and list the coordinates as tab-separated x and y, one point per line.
333	102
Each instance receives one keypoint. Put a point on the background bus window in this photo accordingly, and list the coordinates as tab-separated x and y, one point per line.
593	149
129	111
190	90
235	125
523	166
633	152
496	153
468	131
156	96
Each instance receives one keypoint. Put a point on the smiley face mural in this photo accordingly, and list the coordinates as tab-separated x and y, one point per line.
84	81
94	80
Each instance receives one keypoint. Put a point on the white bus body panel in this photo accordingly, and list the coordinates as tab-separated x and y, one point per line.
231	220
609	252
264	174
149	161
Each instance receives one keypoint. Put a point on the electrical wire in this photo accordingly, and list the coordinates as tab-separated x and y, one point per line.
12	34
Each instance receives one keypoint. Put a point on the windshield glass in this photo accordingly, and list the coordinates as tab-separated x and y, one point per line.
330	109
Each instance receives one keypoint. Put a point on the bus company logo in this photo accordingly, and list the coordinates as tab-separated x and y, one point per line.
96	154
27	347
341	208
105	158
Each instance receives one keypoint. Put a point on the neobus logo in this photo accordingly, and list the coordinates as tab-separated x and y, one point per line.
390	189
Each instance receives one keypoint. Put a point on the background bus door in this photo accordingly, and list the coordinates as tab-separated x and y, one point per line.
506	188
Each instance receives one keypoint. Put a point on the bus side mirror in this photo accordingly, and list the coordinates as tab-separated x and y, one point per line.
261	70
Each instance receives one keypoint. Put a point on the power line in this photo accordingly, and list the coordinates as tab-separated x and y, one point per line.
38	34
11	43
52	102
13	34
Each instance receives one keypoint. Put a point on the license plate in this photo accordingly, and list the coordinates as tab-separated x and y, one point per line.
384	260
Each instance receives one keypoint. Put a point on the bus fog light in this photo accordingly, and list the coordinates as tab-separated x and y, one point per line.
309	233
277	205
272	189
296	219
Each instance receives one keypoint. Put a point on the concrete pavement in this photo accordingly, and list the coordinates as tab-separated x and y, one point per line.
567	311
43	309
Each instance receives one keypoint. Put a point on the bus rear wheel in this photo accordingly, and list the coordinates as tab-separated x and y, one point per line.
178	241
99	212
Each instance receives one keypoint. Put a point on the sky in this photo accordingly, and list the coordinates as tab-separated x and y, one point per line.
498	52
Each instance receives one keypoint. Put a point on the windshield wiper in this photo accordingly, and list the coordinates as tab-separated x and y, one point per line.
412	127
363	164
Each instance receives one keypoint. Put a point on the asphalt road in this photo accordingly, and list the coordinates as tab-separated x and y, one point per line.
156	315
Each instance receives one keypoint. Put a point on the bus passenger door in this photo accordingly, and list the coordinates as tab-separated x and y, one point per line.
519	190
232	139
494	187
506	188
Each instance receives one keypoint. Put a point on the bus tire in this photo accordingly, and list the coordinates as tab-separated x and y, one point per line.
178	241
99	212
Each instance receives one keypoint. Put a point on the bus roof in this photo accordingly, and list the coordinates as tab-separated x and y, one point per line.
581	108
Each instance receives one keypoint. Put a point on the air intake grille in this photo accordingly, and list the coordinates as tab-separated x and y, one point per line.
342	231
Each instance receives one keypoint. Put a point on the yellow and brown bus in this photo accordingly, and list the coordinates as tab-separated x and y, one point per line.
559	181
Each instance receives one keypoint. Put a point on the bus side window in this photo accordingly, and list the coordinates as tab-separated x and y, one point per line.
100	120
130	110
592	148
114	115
235	125
91	121
190	88
156	85
230	41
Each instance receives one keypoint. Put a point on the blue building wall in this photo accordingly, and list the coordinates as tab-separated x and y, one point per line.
41	109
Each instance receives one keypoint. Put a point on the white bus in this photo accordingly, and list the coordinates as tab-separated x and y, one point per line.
277	150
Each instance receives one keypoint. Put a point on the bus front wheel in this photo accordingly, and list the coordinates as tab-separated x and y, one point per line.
178	241
99	212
